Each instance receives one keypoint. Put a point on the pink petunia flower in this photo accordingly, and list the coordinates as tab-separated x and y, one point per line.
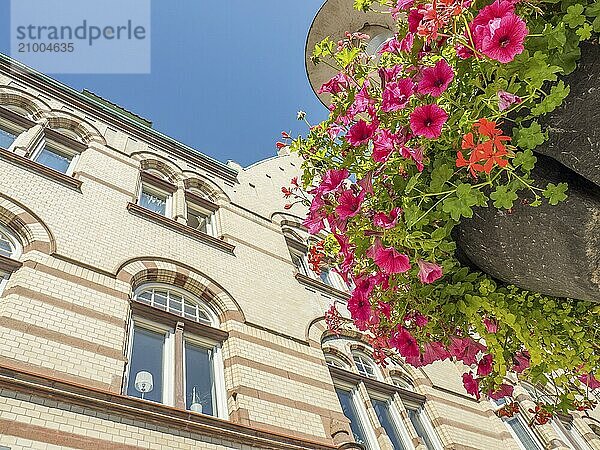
436	79
406	44
428	272
384	143
336	85
428	120
521	361
505	390
466	350
314	224
414	19
349	204
490	325
331	181
401	5
389	74
387	222
390	46
396	95
389	259
495	10
405	343
484	366
434	351
506	99
362	100
360	133
590	381
471	384
505	38
360	310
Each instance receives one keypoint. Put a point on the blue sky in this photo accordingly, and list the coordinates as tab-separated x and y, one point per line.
227	77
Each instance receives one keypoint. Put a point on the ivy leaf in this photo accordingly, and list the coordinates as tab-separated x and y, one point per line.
530	137
439	176
555	193
503	197
585	32
346	56
555	37
574	17
323	48
525	159
363	5
556	96
461	205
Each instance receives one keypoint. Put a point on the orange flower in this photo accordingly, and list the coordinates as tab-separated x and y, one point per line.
485	153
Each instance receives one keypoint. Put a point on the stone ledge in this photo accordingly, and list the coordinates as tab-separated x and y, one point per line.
30	384
9	264
311	282
181	228
40	169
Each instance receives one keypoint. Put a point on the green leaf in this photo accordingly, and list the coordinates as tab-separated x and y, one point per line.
585	32
363	5
596	24
525	159
530	137
503	197
458	206
323	48
593	10
555	193
412	183
439	176
556	96
556	37
574	17
346	56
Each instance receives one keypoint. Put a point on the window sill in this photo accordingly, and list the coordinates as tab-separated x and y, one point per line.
9	264
18	380
181	228
311	282
40	169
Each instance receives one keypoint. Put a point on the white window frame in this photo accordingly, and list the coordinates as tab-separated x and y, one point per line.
517	416
168	368
57	148
398	423
571	438
425	421
214	321
157	192
363	416
218	368
335	361
10	127
3	281
365	359
16	245
211	228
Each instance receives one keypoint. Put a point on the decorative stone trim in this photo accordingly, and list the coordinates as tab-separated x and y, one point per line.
202	202
311	282
40	169
15	118
9	264
153	413
181	228
157	182
354	378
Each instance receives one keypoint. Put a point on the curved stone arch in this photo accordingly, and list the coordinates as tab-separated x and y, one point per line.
82	128
27	227
139	271
210	190
330	350
12	96
151	161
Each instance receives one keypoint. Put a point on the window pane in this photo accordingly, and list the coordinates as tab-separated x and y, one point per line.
364	366
382	409
199	379
153	203
349	409
54	159
198	220
523	435
6	138
147	355
415	419
6	248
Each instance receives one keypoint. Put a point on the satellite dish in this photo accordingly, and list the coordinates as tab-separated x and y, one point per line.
144	382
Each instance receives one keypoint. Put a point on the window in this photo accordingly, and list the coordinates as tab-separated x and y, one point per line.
327	276
350	408
175	361
403	383
9	248
365	366
55	158
175	302
334	361
385	415
6	138
519	430
200	212
423	427
569	435
154	200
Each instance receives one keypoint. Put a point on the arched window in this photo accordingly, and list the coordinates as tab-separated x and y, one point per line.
402	382
175	351
335	361
365	366
9	246
176	302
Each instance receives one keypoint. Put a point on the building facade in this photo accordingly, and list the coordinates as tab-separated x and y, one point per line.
152	297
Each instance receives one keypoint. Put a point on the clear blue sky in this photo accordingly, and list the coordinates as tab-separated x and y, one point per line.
227	77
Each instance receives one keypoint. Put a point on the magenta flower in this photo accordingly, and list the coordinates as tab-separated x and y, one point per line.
390	46
337	84
406	44
506	99
521	361
360	133
331	181
405	343
484	366
428	271
360	309
401	5
362	100
349	204
389	74
389	259
420	320
387	222
414	19
384	143
428	120
505	390
590	381
490	325
495	10
396	95
471	384
436	79
465	350
434	351
314	224
505	38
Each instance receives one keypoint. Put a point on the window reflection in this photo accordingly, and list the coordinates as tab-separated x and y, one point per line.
199	379
54	159
147	356
350	411
382	409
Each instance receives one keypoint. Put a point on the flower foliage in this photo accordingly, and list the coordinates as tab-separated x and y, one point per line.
417	137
